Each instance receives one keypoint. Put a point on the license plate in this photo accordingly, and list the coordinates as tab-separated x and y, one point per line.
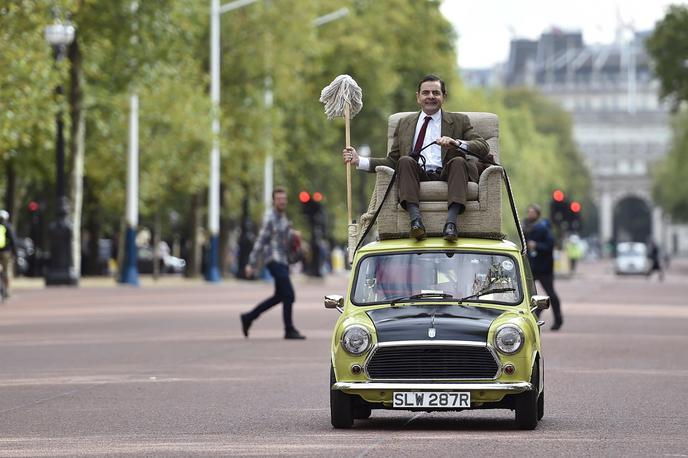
434	399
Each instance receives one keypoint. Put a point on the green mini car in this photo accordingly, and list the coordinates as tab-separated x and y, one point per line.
437	326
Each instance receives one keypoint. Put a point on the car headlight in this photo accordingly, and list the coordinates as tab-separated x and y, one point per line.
356	340
509	339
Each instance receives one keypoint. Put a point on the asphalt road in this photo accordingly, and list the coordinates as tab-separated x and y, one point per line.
163	370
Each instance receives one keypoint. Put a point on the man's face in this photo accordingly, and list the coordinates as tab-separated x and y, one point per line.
280	201
430	97
532	214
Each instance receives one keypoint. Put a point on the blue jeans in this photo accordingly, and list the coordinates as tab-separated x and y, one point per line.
284	293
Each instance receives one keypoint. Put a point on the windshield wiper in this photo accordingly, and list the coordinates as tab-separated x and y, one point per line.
486	291
394	301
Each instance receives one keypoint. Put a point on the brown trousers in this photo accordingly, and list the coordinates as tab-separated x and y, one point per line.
457	173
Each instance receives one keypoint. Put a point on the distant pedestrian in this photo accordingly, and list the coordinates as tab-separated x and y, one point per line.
540	242
275	246
655	260
574	252
8	248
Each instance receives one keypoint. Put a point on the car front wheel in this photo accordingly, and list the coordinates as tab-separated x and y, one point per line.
341	406
528	405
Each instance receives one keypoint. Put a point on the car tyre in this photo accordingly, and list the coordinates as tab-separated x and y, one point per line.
528	405
541	406
341	406
362	412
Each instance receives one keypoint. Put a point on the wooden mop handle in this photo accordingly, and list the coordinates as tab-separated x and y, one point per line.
347	117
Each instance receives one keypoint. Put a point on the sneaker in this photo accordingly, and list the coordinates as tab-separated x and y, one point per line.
245	324
293	334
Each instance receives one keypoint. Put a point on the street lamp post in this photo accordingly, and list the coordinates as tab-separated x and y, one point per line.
61	268
212	272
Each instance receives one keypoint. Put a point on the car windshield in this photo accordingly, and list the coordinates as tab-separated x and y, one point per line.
440	276
631	249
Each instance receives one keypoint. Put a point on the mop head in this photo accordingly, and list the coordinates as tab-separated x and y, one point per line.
341	91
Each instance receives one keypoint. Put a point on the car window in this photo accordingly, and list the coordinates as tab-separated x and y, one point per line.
631	249
380	278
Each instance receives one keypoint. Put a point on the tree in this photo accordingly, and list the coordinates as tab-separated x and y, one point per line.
670	187
668	46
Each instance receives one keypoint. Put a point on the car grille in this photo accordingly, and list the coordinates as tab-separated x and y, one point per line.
427	362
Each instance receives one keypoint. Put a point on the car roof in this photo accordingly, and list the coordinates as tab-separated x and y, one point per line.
438	243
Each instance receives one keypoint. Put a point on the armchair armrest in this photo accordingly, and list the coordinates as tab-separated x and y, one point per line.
490	187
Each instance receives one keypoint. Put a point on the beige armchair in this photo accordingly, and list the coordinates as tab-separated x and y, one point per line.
482	218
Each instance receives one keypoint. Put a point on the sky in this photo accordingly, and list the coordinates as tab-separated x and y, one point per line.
485	27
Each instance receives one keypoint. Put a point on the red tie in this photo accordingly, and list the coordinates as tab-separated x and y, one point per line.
421	135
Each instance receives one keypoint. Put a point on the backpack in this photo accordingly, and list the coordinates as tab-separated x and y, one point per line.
295	252
3	237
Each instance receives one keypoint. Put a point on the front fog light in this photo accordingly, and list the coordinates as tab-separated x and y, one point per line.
356	340
509	339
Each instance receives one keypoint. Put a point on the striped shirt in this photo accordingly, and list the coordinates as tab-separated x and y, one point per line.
272	243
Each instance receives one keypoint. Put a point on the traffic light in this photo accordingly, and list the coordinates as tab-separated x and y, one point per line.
558	207
311	206
575	215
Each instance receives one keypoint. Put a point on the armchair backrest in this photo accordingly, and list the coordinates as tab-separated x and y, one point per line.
485	124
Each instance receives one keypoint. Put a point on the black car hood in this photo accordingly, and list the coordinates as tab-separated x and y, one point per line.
451	322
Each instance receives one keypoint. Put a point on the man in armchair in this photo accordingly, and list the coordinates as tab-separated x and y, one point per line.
442	161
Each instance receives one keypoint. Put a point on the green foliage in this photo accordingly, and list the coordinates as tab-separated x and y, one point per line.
668	46
670	186
161	52
27	87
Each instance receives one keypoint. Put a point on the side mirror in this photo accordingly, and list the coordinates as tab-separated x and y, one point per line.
539	303
334	301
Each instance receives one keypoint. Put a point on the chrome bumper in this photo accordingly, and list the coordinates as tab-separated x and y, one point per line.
517	387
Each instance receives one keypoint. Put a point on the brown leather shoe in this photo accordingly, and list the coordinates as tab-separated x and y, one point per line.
417	230
450	232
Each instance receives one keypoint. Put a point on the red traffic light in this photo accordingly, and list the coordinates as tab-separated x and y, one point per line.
575	206
304	197
317	196
558	195
33	206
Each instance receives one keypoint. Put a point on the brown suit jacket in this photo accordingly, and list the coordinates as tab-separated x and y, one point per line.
454	125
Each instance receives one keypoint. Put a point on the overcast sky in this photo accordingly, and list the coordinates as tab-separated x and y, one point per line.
485	27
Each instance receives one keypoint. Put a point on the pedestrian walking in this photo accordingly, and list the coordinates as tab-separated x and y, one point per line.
8	249
655	261
540	243
574	252
277	244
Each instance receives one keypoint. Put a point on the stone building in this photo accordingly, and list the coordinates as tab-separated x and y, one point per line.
620	126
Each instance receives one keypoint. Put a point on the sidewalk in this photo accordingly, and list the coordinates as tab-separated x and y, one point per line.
166	281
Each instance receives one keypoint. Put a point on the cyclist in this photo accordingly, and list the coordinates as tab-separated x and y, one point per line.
7	250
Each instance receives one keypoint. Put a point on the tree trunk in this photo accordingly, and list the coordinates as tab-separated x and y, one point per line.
156	245
77	145
194	265
10	192
224	236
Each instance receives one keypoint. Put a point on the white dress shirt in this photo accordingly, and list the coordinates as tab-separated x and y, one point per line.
432	154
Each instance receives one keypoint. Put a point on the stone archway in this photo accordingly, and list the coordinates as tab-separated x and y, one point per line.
632	220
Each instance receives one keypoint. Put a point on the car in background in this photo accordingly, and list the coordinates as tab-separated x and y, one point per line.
168	264
631	259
